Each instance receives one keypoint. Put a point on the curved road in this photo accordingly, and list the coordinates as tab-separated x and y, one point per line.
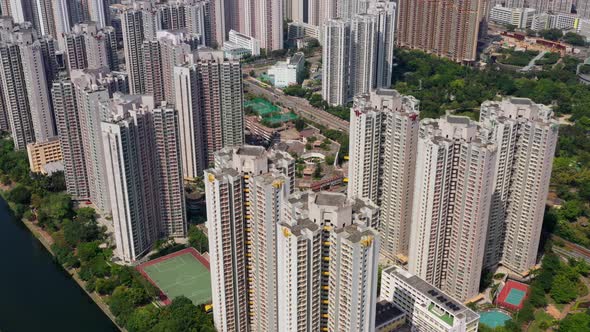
300	106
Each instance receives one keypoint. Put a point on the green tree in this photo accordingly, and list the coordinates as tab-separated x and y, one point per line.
575	39
575	323
53	210
551	34
96	267
571	210
526	314
142	319
121	304
183	315
20	195
330	160
104	286
197	239
299	124
295	90
88	251
537	296
563	290
317	172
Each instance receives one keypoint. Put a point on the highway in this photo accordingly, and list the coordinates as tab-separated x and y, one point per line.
300	106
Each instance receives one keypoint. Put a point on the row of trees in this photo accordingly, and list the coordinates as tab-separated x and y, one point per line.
316	100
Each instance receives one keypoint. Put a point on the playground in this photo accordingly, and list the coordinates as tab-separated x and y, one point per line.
184	272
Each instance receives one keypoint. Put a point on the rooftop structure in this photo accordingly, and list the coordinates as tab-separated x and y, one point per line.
427	307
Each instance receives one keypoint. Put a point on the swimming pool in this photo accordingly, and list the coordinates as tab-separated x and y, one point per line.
493	318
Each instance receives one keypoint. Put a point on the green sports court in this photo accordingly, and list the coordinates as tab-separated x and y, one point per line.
261	106
184	272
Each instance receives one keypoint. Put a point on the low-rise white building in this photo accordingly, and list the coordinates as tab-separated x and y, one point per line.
554	21
298	30
285	73
564	21
519	17
238	40
541	22
426	307
583	27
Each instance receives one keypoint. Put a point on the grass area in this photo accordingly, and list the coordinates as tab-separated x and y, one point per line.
516	58
550	58
181	275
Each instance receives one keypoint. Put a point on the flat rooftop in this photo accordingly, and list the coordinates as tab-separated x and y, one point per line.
355	232
435	295
250	150
386	312
330	199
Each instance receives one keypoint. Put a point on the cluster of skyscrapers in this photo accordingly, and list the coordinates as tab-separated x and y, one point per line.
284	260
456	195
358	51
128	134
443	199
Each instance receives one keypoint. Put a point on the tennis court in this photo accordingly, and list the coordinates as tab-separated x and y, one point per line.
261	106
515	296
184	272
512	295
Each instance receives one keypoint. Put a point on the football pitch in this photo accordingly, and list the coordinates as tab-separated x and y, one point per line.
181	273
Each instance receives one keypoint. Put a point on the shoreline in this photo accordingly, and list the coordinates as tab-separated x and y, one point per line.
37	232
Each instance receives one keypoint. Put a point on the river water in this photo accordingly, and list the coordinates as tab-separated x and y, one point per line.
36	294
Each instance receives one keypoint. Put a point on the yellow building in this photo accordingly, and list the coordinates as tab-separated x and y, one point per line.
43	153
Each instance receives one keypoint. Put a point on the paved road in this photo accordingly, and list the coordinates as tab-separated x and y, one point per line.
532	62
300	106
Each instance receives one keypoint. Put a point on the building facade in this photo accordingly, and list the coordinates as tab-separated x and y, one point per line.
447	29
244	194
335	61
526	135
453	191
327	259
209	101
382	160
70	136
87	46
90	95
41	154
140	141
129	151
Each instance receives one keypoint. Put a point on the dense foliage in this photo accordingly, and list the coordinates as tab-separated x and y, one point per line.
80	243
555	281
517	58
441	85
